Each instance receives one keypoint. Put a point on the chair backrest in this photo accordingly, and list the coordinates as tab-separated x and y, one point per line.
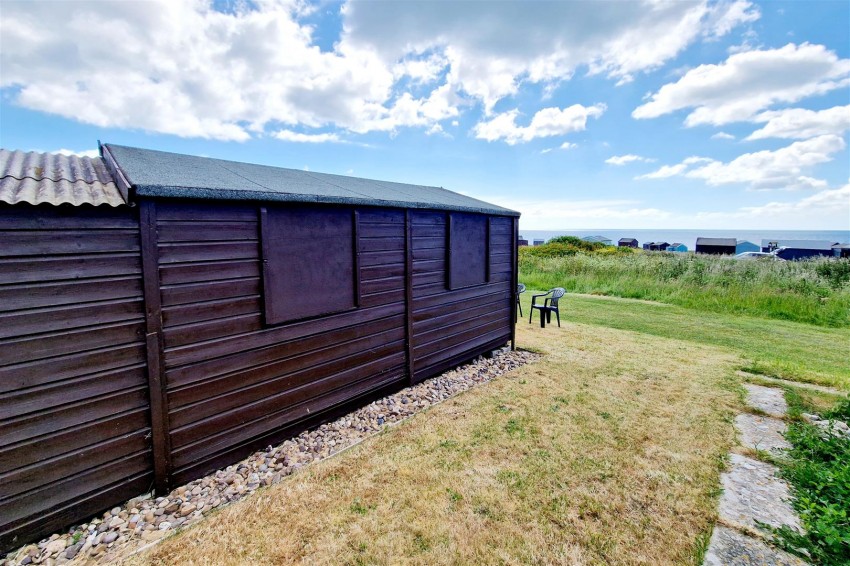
557	293
520	288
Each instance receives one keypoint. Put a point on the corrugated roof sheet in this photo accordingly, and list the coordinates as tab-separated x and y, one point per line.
50	178
160	174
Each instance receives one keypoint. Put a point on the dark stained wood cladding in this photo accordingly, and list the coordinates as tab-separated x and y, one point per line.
232	382
450	326
74	421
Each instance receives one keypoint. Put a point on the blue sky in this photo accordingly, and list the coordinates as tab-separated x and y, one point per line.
581	115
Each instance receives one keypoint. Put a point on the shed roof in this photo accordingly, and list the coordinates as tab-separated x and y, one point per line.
624	240
731	242
800	244
173	175
50	178
596	239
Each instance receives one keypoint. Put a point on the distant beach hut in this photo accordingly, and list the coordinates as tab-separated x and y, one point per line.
716	246
841	250
659	246
627	243
521	241
539	242
746	246
598	239
677	247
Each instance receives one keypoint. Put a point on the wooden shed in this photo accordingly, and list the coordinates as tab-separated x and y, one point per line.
716	246
627	243
176	313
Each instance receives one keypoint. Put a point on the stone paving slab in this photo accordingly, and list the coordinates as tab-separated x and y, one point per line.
729	547
753	493
767	399
762	433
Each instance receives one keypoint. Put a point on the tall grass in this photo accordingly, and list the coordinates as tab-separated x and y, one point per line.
814	291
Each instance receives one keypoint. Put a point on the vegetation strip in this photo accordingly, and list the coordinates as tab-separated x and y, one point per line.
123	530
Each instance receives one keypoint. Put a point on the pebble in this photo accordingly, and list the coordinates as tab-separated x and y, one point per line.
145	519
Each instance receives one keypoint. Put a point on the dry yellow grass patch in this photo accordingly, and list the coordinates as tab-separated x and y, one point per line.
607	451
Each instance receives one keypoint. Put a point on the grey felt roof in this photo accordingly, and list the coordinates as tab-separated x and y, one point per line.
173	175
730	242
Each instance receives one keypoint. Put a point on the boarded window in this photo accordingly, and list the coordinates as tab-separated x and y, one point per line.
308	262
468	250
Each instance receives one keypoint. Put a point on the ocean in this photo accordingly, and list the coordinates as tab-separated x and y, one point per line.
689	237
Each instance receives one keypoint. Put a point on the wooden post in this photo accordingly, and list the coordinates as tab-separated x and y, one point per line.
355	231
154	343
408	295
514	276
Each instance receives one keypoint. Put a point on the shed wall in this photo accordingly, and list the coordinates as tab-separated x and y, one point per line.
74	424
233	384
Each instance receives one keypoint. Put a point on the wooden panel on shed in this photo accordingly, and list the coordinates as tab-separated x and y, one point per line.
74	421
468	247
308	262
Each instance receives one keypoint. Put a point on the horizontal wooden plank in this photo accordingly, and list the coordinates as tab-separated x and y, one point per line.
213	212
207	251
74	486
30	374
381	216
286	345
209	290
395	296
18	350
50	242
290	413
422	351
70	440
41	269
30	426
443	308
373	231
194	333
429	254
277	378
429	243
381	244
221	347
206	231
46	397
461	349
446	334
189	313
52	319
464	311
194	401
52	470
40	522
418	217
429	279
428	231
30	296
462	354
429	266
369	259
458	295
176	274
49	217
381	272
379	285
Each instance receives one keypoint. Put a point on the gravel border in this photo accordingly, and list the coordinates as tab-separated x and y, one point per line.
143	521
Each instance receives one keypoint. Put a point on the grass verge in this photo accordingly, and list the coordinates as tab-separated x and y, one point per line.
788	350
607	451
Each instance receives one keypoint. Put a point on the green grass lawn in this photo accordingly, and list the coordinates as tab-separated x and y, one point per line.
790	350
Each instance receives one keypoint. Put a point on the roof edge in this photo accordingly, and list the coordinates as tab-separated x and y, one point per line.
270	196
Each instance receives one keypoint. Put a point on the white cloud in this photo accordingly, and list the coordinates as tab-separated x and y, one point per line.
799	123
749	82
92	153
761	170
558	214
185	69
568	145
722	136
628	158
290	136
547	122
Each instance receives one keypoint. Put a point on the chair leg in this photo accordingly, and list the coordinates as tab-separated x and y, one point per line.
558	314
519	306
530	315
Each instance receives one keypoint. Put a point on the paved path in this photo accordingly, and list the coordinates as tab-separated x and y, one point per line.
753	494
800	384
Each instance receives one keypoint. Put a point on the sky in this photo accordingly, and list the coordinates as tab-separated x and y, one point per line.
580	115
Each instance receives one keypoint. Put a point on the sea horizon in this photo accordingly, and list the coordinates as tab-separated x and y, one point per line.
688	237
